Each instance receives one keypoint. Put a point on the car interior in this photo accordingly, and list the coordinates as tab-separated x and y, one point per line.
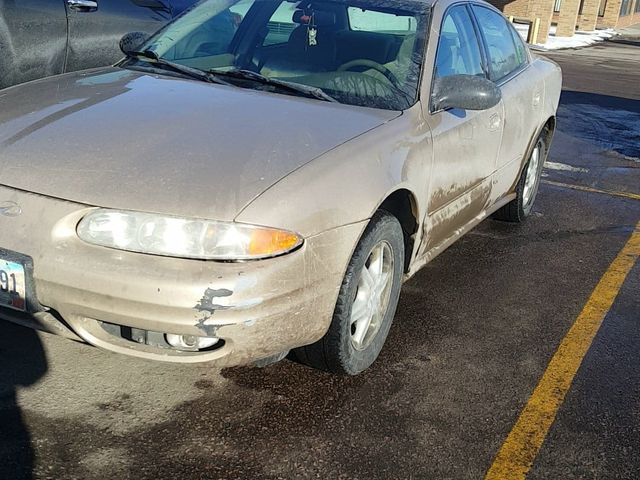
369	54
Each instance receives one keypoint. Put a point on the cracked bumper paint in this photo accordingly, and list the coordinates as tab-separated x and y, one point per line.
258	308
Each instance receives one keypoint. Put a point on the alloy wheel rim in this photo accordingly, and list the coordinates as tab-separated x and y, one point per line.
371	301
532	176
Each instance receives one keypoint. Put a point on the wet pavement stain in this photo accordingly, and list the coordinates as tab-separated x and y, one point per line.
611	123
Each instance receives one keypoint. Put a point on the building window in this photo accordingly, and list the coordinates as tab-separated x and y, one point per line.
603	7
625	8
556	5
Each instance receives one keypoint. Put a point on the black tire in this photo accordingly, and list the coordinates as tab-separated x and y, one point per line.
518	210
335	352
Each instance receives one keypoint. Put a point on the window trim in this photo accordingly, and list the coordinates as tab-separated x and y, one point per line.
483	51
483	59
504	79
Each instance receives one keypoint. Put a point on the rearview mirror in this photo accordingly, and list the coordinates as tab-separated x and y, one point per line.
467	92
132	42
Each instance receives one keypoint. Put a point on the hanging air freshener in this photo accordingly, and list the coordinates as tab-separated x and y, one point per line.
312	36
312	31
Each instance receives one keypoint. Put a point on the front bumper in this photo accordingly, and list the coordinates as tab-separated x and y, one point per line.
257	308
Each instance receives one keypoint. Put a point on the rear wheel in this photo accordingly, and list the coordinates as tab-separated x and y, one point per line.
366	303
520	208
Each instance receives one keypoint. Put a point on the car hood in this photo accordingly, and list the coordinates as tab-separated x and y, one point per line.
123	139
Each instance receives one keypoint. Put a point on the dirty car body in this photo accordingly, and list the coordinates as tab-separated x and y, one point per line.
217	216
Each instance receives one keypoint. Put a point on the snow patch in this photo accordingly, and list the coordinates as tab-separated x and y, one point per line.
580	39
564	167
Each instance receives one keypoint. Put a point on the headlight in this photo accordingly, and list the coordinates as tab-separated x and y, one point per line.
183	237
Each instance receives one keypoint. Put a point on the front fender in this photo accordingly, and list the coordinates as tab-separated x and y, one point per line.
347	184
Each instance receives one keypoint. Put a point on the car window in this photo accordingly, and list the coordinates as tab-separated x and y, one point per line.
207	35
241	8
504	58
281	24
374	62
458	47
364	20
521	49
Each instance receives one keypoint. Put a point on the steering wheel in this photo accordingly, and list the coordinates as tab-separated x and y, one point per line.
365	62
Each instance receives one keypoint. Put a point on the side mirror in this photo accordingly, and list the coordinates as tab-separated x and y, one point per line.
132	42
467	92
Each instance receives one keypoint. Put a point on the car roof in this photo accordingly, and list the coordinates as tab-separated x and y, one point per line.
411	5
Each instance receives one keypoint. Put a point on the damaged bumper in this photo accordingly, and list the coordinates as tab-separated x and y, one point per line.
94	294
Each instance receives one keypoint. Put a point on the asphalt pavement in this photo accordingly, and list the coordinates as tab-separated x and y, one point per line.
474	334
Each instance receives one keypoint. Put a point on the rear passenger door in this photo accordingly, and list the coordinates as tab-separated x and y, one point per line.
509	67
33	39
96	26
465	142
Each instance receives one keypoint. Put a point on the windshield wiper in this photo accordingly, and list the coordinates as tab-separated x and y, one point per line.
153	58
305	90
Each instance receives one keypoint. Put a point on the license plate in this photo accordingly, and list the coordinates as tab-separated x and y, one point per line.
12	285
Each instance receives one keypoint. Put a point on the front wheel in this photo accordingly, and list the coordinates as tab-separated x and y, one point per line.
366	303
520	208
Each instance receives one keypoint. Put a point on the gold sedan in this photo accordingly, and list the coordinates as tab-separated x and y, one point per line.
261	176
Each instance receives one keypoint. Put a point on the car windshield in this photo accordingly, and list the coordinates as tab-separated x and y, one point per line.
365	53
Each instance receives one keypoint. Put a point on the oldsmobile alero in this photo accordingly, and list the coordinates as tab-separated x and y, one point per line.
260	176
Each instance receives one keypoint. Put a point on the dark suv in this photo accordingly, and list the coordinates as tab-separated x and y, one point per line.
39	38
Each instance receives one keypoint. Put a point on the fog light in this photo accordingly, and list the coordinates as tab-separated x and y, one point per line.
190	342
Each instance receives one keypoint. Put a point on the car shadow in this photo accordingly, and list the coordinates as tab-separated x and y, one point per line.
22	363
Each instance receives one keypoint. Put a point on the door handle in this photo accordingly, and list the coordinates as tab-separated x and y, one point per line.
83	5
494	122
536	99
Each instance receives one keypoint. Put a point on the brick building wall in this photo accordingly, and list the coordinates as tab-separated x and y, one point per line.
612	18
517	8
589	18
628	20
568	18
530	9
611	12
632	18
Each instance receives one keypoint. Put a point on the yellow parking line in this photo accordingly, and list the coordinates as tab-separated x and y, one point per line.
633	196
519	450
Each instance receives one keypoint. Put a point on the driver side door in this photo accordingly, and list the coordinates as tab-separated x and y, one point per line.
465	142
